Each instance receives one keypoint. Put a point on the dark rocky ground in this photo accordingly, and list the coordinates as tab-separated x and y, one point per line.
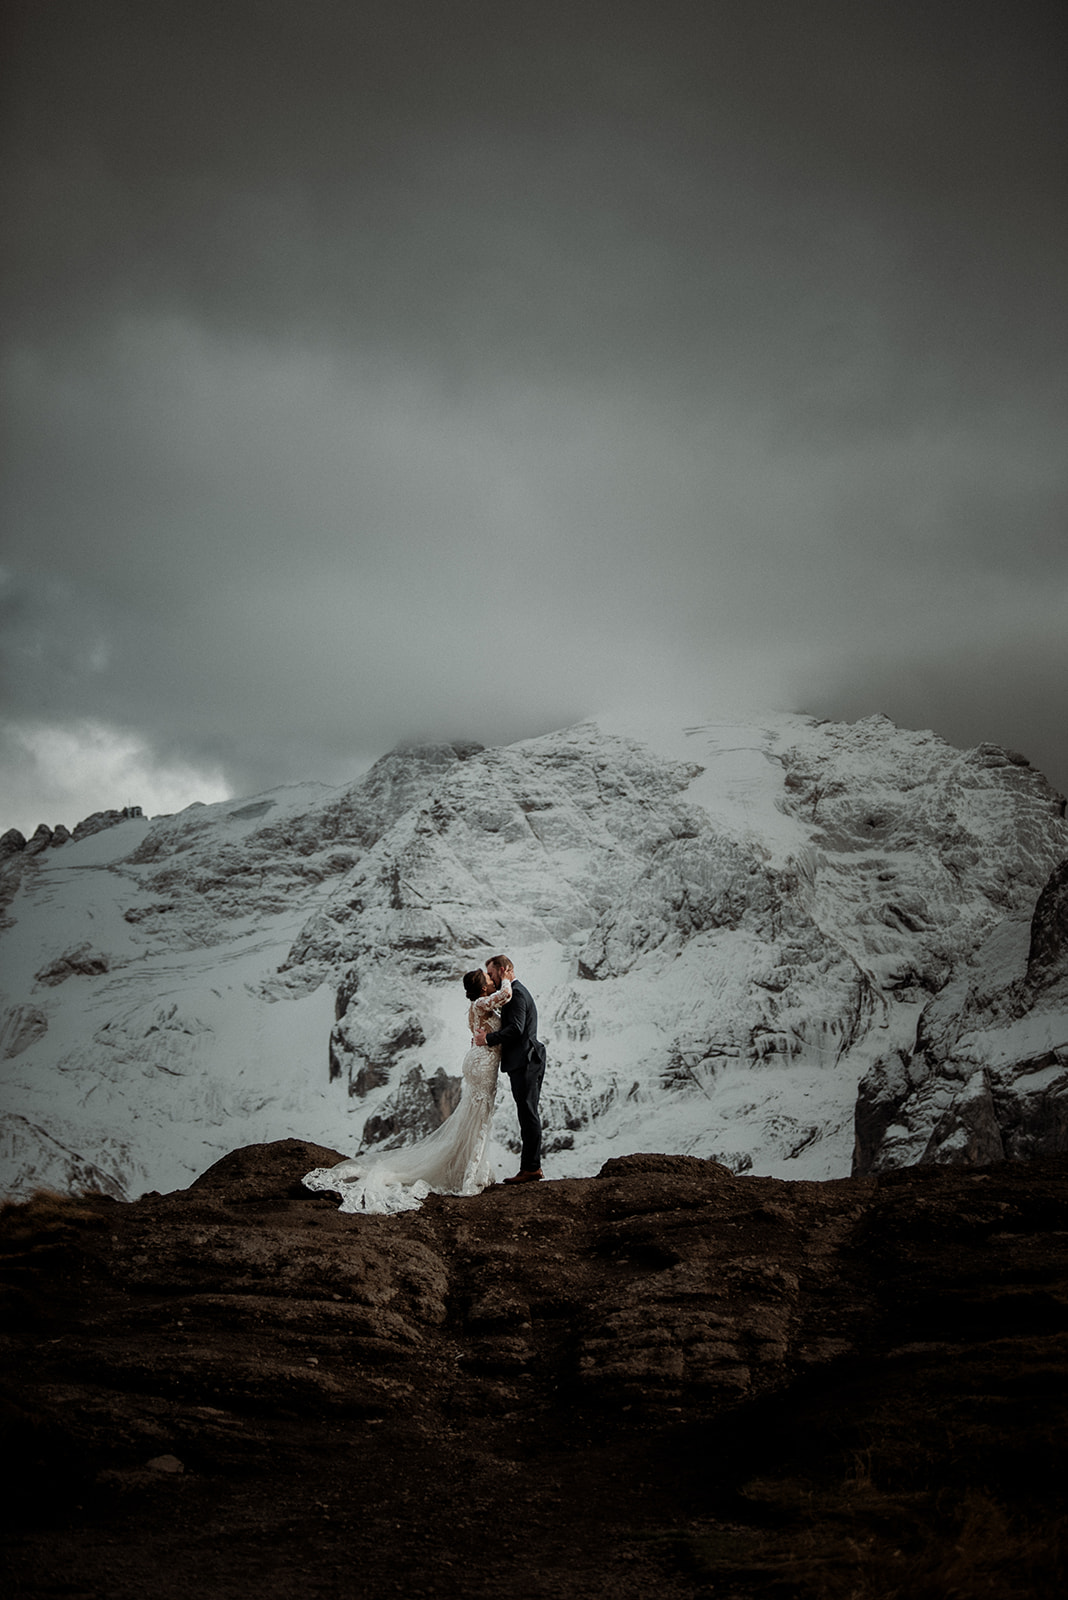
664	1381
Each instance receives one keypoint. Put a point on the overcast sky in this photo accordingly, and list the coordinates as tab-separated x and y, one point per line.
378	369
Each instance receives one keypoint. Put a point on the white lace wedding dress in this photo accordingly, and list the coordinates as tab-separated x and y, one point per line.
454	1159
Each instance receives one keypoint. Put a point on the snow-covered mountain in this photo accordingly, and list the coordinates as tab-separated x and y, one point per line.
726	927
986	1077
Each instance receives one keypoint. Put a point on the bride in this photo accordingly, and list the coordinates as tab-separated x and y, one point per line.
454	1159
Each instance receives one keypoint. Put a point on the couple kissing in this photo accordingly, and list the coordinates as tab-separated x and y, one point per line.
502	1022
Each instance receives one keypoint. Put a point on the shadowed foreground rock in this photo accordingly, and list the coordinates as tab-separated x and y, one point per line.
662	1381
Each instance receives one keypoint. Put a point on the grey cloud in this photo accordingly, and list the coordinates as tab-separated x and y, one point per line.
1008	690
53	637
363	357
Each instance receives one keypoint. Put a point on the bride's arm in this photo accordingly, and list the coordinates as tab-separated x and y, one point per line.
492	1002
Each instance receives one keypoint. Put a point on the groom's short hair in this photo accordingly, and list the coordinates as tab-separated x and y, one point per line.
503	964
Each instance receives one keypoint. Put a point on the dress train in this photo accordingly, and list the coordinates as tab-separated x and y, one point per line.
454	1159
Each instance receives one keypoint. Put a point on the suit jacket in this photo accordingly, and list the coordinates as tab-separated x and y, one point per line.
517	1034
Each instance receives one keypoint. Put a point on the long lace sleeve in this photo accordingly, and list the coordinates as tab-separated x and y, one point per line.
494	1002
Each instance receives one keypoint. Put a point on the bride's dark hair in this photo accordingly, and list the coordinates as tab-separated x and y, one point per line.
475	984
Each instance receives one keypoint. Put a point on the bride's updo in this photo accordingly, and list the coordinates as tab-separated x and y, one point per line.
475	985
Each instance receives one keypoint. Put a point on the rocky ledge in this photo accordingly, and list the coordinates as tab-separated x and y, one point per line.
663	1380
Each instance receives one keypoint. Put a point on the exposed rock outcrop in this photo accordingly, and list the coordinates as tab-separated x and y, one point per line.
20	1026
81	962
417	1107
987	1079
663	1380
36	1155
20	857
99	820
44	837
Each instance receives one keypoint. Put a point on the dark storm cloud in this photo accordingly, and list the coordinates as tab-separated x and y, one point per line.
415	172
363	355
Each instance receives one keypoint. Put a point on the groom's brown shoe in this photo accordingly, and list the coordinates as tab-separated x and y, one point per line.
526	1177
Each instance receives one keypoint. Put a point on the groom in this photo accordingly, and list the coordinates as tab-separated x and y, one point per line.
523	1058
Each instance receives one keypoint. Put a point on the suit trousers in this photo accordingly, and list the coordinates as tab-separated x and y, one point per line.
526	1092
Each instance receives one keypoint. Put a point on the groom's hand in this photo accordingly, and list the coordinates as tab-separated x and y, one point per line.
480	1036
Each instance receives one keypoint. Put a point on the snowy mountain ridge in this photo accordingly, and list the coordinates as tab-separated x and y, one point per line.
727	927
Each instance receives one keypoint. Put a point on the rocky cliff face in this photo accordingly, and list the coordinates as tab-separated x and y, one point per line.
889	858
662	1380
987	1076
726	927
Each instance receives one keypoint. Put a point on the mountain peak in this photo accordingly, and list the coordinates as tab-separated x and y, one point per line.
727	926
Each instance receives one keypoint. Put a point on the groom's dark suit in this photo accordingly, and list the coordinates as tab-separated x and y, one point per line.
523	1058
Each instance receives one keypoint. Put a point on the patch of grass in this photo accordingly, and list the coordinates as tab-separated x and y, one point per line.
46	1213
